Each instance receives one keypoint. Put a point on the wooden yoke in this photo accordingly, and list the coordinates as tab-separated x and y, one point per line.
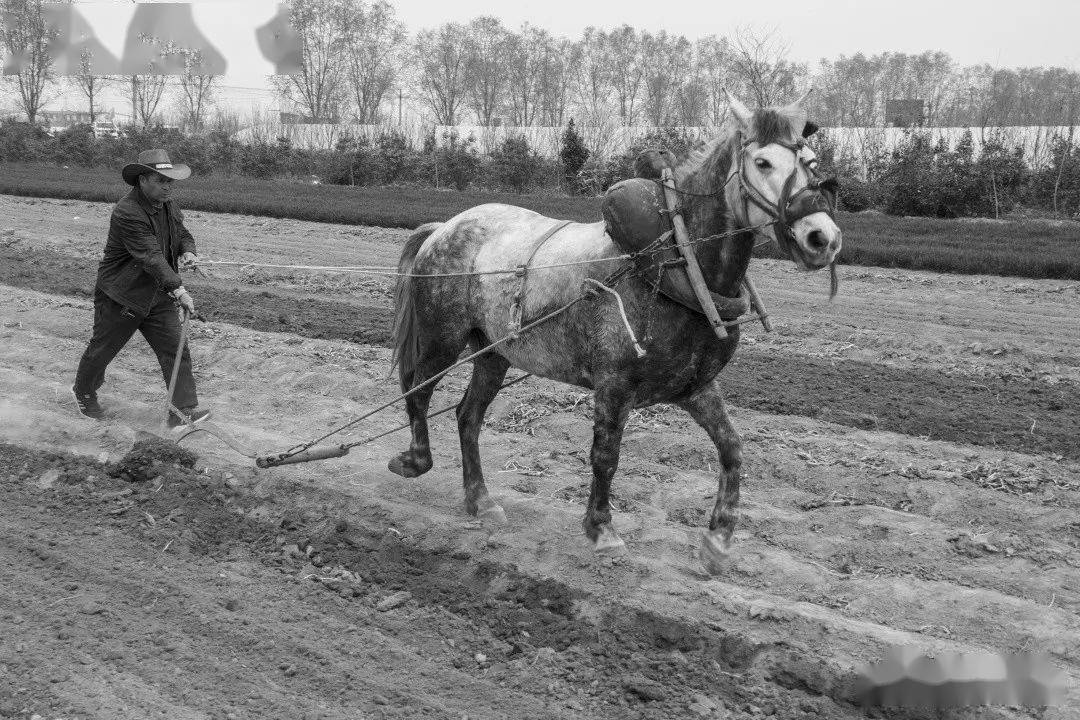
693	270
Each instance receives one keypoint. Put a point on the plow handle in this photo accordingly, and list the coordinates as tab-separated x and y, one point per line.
266	461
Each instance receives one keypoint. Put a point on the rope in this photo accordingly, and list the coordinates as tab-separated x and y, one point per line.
393	272
448	408
612	279
622	313
384	270
430	381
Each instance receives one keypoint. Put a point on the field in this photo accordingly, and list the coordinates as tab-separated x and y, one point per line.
913	477
1022	248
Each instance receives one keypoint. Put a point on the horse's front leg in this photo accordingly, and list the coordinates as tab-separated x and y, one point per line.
613	405
707	408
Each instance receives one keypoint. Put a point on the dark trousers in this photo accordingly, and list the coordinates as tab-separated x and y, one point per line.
114	325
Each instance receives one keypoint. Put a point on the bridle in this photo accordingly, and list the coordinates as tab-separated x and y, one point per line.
818	195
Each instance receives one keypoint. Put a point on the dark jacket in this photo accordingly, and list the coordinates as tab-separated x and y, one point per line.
140	262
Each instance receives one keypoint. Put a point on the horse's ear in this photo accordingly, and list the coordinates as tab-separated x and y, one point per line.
809	128
740	111
798	103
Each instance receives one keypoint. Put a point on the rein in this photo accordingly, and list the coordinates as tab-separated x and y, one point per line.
818	195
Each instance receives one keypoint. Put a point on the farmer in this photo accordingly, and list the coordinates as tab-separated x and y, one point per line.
138	285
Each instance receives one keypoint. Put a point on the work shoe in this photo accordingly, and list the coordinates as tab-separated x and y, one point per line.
194	416
88	404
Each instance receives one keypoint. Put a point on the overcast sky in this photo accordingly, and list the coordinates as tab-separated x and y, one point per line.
1003	33
1006	33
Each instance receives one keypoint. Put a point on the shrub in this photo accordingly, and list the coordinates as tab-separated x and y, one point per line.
1057	186
263	160
854	195
572	155
456	160
22	142
393	154
907	191
352	162
74	146
600	174
515	166
1002	172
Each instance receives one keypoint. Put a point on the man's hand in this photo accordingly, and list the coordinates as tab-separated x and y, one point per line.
189	261
187	302
183	299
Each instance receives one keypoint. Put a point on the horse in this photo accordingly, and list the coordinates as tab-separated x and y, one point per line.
453	293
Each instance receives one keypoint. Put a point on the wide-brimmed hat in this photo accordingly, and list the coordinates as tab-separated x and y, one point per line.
156	160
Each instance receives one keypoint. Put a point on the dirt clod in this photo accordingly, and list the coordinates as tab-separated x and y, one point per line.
396	600
644	689
149	453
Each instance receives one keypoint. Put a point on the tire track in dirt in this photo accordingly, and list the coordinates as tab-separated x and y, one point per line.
1015	414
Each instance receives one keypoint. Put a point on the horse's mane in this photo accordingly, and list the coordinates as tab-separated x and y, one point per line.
768	125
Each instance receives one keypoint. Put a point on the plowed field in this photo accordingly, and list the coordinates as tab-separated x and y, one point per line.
912	470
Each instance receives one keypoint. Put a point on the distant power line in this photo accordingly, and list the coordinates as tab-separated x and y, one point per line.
242	87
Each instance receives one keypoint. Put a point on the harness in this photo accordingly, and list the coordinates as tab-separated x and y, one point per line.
523	273
818	195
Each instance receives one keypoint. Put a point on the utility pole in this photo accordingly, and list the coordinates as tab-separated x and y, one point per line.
399	107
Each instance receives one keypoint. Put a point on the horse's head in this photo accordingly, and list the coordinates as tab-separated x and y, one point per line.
774	180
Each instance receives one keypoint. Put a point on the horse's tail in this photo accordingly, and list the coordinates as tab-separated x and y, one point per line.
405	347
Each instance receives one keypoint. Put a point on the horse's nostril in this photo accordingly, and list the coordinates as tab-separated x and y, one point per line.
816	240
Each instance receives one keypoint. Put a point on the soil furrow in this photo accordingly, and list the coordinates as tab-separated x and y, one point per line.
1018	414
620	663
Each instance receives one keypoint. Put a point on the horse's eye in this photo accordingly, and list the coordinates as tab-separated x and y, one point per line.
762	164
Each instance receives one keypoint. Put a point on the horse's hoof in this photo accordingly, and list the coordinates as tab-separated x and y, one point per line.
608	542
406	466
716	553
490	511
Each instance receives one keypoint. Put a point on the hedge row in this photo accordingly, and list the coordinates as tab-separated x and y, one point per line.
1036	249
915	178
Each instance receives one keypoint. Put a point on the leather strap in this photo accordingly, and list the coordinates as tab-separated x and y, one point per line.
523	273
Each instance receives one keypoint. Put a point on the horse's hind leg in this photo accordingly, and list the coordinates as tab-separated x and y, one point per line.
707	408
612	407
488	373
434	356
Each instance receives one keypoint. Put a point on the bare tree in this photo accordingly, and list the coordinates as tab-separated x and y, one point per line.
592	70
487	56
144	92
26	37
525	57
374	42
712	58
623	47
556	79
691	98
198	89
663	57
88	83
440	58
319	86
759	62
